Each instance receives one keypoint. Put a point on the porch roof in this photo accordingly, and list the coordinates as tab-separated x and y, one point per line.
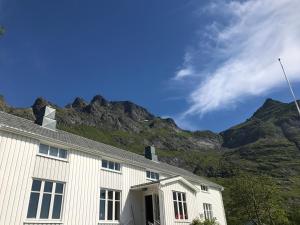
164	182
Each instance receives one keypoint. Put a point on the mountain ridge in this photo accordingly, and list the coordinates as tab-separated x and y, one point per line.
267	143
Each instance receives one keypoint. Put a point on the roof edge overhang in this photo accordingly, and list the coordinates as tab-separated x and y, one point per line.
144	185
180	179
4	127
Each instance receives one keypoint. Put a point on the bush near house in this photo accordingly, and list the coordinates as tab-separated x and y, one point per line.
197	221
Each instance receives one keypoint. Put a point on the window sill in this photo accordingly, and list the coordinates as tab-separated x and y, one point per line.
110	170
153	180
206	192
182	221
52	157
39	221
108	222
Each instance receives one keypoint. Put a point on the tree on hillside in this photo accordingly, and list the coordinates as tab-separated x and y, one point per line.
294	215
255	200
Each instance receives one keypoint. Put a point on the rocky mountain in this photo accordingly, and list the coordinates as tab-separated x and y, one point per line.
120	123
266	143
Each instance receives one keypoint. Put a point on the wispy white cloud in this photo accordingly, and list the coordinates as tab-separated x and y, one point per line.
244	49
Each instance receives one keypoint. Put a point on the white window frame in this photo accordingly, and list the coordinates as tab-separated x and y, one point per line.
204	188
113	205
112	170
156	175
208	211
181	202
51	156
41	194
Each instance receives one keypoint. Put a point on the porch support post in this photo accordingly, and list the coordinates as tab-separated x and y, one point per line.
161	206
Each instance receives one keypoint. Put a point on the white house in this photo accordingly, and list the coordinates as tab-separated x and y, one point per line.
51	177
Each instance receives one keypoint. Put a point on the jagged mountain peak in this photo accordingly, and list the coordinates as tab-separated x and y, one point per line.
99	100
79	103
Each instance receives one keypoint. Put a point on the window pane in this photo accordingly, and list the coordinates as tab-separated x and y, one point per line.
45	206
48	186
63	153
176	210
36	185
53	151
183	195
111	165
180	210
57	207
157	176
179	196
117	195
152	175
33	205
148	174
102	194
174	195
43	149
59	189
109	210
117	166
110	194
185	210
117	210
104	163
102	210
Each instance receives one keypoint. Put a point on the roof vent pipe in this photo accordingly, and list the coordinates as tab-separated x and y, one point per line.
48	120
150	153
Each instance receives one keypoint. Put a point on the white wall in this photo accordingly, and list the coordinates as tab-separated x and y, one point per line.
19	163
17	160
169	207
213	197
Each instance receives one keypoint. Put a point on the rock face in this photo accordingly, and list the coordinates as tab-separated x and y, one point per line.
123	123
268	142
274	120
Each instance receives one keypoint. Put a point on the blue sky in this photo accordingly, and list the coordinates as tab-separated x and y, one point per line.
207	64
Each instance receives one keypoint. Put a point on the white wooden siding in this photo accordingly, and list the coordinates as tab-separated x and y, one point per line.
82	192
169	207
83	175
17	158
213	197
51	169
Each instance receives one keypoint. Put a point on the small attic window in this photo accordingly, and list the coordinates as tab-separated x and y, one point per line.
110	165
53	151
152	175
204	188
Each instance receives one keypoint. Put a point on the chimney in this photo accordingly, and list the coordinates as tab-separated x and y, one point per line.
48	118
150	153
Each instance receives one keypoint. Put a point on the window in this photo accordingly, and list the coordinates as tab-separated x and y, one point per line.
110	205
180	208
208	214
152	175
111	165
204	188
53	151
45	200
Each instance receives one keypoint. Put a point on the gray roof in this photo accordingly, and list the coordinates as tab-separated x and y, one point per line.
28	126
